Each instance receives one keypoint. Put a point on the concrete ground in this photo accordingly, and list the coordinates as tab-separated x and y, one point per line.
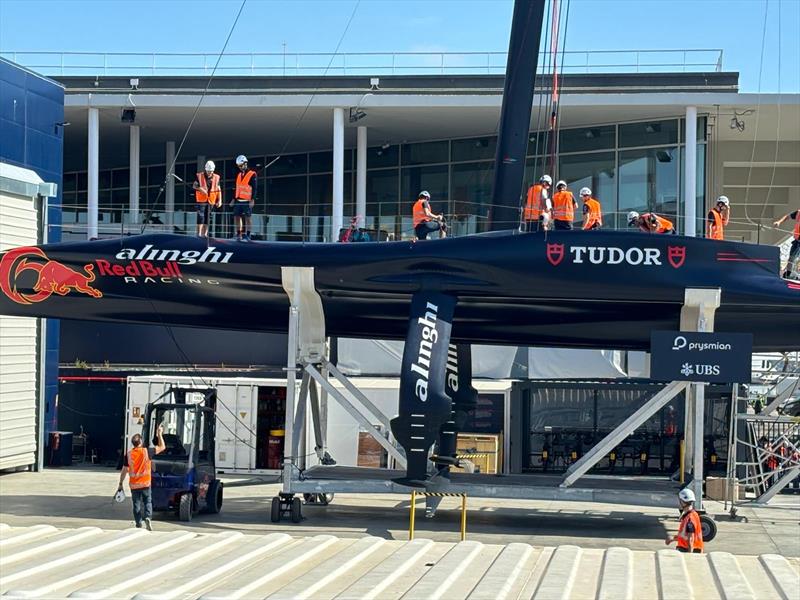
82	496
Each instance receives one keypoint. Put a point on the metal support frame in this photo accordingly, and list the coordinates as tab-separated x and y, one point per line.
439	495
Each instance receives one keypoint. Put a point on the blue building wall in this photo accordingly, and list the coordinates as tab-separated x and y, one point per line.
32	136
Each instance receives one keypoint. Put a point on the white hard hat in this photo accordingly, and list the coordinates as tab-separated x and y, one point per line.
632	216
546	179
586	191
119	496
686	495
210	166
240	160
723	200
560	183
424	194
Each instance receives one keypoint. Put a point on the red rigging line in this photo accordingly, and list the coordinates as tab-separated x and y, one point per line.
555	24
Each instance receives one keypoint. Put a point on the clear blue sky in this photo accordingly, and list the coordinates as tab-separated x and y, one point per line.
457	25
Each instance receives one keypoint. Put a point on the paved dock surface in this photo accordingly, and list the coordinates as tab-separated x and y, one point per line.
45	562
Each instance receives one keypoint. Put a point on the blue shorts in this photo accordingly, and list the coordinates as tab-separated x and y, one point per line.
242	209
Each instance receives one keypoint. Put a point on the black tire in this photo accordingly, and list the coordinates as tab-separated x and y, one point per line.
709	528
326	499
214	498
185	507
297	515
320	499
275	512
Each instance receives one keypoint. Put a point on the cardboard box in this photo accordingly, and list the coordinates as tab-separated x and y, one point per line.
488	447
717	489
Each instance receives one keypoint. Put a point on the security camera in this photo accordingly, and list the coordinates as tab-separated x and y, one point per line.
374	82
135	83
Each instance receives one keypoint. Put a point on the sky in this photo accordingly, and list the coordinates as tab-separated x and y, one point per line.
735	26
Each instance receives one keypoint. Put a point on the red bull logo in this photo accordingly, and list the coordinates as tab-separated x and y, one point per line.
52	277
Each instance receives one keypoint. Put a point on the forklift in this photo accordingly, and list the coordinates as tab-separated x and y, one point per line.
184	474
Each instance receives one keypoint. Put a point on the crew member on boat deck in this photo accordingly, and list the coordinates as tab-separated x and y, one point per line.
650	223
537	212
592	211
207	194
794	250
244	198
425	221
354	233
718	218
564	206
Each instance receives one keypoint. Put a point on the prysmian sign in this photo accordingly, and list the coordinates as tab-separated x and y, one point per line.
707	357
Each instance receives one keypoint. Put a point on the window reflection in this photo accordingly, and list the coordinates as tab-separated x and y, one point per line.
648	181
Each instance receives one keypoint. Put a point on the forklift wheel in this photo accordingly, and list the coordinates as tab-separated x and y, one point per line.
185	507
275	513
320	499
296	508
709	528
214	498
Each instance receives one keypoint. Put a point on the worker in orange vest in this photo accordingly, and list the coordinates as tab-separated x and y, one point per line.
650	223
690	530
718	218
244	198
564	206
592	211
537	212
425	221
138	466
207	194
794	250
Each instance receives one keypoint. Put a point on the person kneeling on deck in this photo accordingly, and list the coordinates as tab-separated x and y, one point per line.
425	221
137	464
690	531
650	223
718	218
207	194
592	211
536	214
564	206
794	250
244	198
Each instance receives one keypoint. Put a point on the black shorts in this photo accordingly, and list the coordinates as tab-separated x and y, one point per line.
423	229
203	213
557	224
242	209
536	225
695	551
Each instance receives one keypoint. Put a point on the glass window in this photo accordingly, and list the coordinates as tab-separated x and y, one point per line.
156	174
143	176
382	189
383	156
320	162
535	167
425	153
290	164
471	194
648	181
701	129
473	149
286	195
649	133
105	179
82	181
538	142
69	182
433	179
588	138
320	199
596	171
120	178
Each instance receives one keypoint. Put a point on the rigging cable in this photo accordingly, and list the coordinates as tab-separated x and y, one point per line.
778	125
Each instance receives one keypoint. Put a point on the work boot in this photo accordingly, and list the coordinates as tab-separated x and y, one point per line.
246	238
148	525
138	525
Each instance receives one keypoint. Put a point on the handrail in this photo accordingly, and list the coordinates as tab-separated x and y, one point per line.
310	63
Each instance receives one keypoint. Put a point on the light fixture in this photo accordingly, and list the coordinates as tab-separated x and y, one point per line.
374	82
134	83
128	115
736	123
356	114
62	124
385	146
653	128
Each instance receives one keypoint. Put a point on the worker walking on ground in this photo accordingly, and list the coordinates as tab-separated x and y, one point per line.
564	206
244	198
137	464
592	211
425	221
718	218
794	250
690	531
650	223
537	212
207	194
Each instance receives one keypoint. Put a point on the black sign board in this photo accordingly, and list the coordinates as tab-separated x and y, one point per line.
707	357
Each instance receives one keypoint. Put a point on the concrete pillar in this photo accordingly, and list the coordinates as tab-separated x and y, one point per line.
93	175
169	191
133	162
337	214
690	172
361	173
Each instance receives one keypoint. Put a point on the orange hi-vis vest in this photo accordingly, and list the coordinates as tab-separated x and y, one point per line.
594	214
718	227
664	225
203	194
419	212
534	205
683	537
797	224
244	191
564	206
139	468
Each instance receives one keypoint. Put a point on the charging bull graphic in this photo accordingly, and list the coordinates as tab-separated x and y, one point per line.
51	276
